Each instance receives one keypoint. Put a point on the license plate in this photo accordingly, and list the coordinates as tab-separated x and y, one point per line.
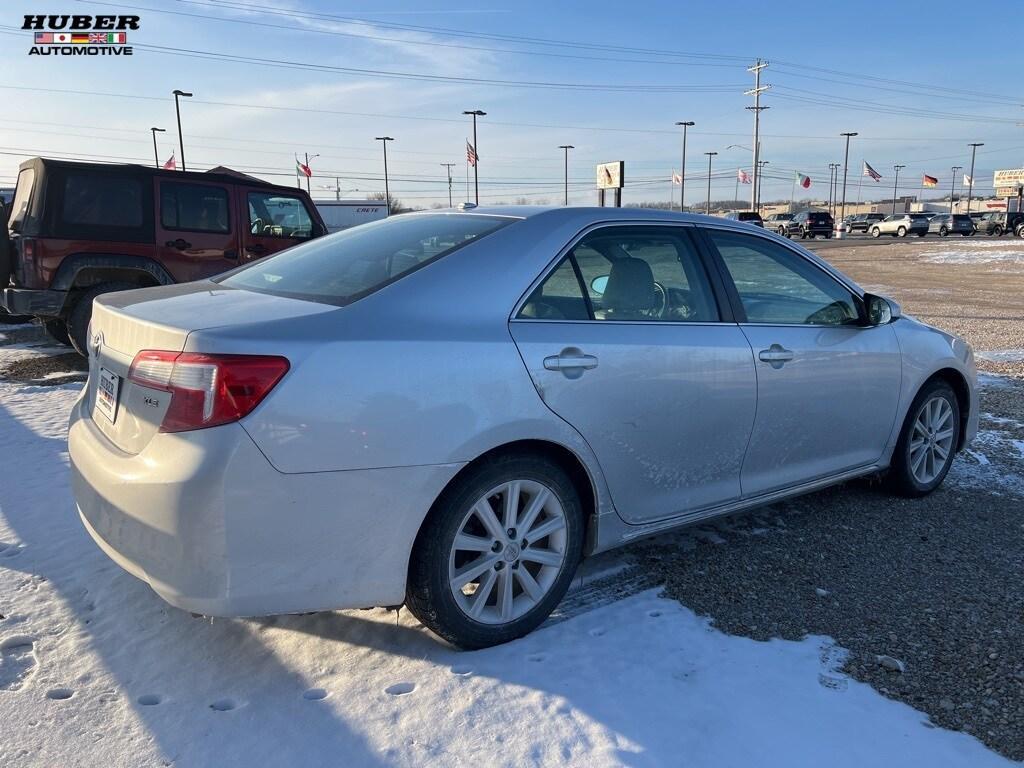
107	387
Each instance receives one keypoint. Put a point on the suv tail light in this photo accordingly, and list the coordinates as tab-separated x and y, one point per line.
207	390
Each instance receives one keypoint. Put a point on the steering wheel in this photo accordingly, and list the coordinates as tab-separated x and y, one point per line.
256	227
662	294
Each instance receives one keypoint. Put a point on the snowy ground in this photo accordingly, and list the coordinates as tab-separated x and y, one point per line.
96	670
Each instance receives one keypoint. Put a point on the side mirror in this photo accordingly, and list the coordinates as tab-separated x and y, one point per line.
880	310
599	285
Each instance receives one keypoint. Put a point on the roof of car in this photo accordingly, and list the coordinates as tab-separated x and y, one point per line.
584	214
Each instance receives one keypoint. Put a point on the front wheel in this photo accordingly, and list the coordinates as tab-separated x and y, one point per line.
921	234
875	232
497	552
901	232
943	232
928	442
996	232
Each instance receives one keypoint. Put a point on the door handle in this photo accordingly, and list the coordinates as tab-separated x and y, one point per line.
180	244
571	362
776	355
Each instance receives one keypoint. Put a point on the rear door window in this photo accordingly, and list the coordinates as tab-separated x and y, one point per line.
343	267
194	207
103	205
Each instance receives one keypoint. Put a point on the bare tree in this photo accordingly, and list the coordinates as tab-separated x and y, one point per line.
394	204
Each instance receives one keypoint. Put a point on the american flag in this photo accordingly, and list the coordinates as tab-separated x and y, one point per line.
869	171
471	156
171	164
742	176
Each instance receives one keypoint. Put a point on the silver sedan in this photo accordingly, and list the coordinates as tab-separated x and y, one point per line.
448	410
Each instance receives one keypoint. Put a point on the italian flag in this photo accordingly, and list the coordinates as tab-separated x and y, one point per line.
305	170
803	181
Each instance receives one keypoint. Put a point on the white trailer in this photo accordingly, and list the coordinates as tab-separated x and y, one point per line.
342	214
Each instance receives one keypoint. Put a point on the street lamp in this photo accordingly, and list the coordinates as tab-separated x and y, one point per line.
970	187
156	155
476	154
707	207
449	167
952	185
387	193
177	112
895	184
682	167
566	147
846	163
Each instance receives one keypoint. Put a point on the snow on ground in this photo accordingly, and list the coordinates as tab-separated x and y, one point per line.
975	251
96	670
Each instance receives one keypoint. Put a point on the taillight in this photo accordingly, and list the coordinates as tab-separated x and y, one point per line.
207	390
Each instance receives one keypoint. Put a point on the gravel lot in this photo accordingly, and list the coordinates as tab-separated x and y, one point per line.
934	584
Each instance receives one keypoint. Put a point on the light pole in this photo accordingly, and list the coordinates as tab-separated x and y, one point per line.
952	185
308	158
760	181
895	184
846	163
476	154
970	187
682	166
707	207
449	167
177	112
566	147
833	178
156	155
387	192
756	93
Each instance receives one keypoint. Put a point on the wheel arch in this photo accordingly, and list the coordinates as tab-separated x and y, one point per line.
84	270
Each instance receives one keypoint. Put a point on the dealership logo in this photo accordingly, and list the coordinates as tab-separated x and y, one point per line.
80	35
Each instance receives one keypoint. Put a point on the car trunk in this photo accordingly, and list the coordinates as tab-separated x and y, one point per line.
126	323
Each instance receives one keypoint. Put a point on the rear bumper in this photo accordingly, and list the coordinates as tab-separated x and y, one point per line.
213	528
30	301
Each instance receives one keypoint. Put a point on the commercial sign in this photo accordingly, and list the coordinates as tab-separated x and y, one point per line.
1007	191
1011	178
611	175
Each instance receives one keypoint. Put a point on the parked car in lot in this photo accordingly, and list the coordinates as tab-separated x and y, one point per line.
813	223
80	230
862	221
449	410
750	217
998	223
901	225
945	224
781	223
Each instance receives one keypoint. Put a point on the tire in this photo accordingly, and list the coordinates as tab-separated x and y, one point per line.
902	478
901	232
58	330
436	561
996	232
943	232
81	313
921	234
876	232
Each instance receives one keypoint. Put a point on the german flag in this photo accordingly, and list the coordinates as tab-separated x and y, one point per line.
80	39
929	181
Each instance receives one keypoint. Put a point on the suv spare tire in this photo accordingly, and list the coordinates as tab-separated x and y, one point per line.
81	313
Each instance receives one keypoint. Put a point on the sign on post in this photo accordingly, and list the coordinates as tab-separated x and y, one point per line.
611	175
1009	178
1007	191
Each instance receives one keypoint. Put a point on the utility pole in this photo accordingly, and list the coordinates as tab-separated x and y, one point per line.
707	207
846	164
756	93
449	166
970	187
156	155
387	193
895	184
476	153
566	147
760	181
833	177
682	166
177	112
952	186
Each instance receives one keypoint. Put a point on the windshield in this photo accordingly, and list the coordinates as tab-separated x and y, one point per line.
343	267
22	194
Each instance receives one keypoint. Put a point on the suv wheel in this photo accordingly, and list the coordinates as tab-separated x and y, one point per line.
927	444
58	330
875	232
901	232
997	231
943	232
497	552
81	313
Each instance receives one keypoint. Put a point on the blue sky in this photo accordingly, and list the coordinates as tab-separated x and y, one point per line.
882	69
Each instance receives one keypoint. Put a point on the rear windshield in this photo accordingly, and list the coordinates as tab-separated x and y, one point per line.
821	216
22	195
748	216
961	218
343	267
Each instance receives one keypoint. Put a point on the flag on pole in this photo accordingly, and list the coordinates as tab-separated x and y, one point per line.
929	181
303	169
171	164
803	181
471	156
742	176
869	171
968	181
677	179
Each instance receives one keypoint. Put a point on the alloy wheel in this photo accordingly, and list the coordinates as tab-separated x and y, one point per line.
931	442
508	551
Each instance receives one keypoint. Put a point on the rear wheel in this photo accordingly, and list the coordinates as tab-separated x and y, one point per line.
922	234
497	553
996	232
943	232
901	232
58	330
81	313
928	442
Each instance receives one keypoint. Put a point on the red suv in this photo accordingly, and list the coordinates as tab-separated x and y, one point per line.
76	230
